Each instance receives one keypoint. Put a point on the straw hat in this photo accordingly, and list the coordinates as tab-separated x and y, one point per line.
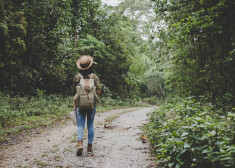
84	62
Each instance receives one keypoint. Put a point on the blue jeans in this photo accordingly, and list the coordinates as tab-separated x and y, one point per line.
81	119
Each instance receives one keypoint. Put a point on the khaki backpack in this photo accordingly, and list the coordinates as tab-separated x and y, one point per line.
86	95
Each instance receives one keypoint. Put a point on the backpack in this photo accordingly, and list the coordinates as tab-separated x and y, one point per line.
86	95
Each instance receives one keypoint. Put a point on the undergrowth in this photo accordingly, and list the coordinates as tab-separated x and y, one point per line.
19	114
192	134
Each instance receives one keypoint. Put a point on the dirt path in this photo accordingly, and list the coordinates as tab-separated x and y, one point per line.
116	146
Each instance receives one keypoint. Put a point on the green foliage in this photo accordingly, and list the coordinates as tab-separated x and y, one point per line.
19	114
195	48
190	134
118	102
14	108
107	99
155	100
42	40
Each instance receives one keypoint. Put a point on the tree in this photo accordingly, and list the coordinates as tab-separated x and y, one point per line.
199	38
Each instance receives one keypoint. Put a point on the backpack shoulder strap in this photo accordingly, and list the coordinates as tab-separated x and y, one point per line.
80	75
92	75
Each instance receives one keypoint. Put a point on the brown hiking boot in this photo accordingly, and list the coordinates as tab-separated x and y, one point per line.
90	150
80	148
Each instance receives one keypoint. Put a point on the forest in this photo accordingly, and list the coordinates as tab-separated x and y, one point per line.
176	54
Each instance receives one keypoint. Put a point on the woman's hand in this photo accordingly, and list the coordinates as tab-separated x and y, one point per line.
74	109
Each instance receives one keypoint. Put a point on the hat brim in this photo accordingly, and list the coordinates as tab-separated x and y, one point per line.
91	62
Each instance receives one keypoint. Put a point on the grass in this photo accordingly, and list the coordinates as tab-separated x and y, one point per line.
19	115
111	118
68	149
32	122
44	155
40	163
116	116
73	139
54	150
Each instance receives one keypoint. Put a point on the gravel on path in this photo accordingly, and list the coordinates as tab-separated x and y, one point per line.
117	145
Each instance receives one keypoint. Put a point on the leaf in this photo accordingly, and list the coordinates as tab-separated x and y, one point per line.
231	114
177	166
204	137
212	133
219	143
181	152
201	2
227	158
187	127
215	159
187	145
206	151
174	133
198	119
171	164
179	160
231	148
185	133
222	150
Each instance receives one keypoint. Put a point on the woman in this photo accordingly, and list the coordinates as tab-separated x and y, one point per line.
84	64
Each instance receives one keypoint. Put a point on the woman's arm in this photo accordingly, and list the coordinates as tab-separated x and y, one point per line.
76	80
98	85
98	91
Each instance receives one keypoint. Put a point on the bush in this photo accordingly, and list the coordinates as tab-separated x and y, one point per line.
189	134
107	99
155	100
13	108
